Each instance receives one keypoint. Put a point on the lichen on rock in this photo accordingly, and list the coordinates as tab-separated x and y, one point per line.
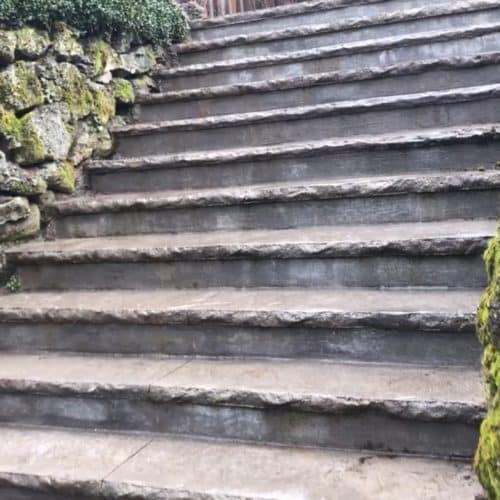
8	42
123	91
31	43
18	181
487	458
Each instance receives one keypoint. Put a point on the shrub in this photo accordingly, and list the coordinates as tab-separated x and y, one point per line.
157	21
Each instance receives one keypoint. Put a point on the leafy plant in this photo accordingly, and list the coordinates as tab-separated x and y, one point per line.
157	21
13	284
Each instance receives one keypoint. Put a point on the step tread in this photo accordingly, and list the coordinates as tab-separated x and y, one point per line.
473	132
316	79
421	12
320	385
436	238
167	467
283	191
332	50
365	105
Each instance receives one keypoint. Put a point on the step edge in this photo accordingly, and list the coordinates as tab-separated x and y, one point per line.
354	188
329	51
274	12
462	245
321	79
406	408
414	14
423	138
458	321
325	110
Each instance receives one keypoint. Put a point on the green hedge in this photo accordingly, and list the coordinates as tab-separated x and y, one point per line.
157	21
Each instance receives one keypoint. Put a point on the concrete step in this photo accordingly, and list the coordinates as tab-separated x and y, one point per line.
446	254
466	41
298	15
378	115
386	408
426	151
145	467
370	200
402	78
286	39
431	327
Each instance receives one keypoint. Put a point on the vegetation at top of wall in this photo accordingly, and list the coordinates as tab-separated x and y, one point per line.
157	21
487	459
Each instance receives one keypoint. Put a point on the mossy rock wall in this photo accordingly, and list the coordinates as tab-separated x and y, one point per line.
487	459
59	96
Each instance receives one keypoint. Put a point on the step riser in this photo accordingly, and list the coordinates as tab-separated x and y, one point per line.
366	429
318	128
358	61
451	157
334	38
14	493
399	208
317	16
413	83
407	346
446	271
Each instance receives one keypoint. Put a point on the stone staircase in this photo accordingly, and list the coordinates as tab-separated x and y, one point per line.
270	290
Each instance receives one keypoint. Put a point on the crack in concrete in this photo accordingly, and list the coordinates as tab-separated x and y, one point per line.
132	455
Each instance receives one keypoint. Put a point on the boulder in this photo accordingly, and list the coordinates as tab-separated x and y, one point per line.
137	62
66	46
90	140
30	226
31	43
17	181
59	176
13	209
20	88
8	44
45	135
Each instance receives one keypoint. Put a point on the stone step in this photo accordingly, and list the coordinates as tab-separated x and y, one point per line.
298	15
431	150
431	327
378	115
72	464
387	408
392	23
408	77
371	200
446	254
466	41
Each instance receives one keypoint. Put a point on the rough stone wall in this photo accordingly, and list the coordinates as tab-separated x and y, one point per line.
59	95
487	460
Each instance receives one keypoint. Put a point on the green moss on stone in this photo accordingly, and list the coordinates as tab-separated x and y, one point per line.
76	92
104	107
487	458
101	55
10	127
123	91
31	42
60	177
20	88
32	149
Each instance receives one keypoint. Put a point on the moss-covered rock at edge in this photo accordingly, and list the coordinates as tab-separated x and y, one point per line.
101	55
487	458
104	106
32	42
60	177
123	91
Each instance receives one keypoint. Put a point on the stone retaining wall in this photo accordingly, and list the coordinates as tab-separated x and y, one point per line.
59	95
